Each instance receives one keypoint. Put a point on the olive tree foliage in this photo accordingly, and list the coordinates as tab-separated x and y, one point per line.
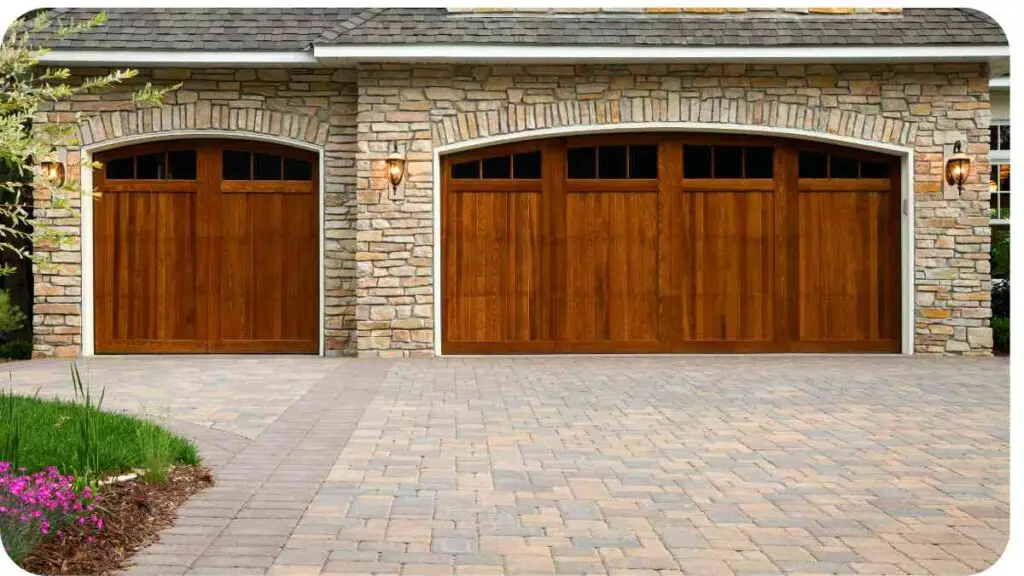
25	88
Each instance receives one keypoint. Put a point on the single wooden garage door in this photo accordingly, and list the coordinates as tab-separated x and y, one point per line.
670	243
206	246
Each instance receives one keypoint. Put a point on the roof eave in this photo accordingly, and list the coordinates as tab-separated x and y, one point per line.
177	58
353	53
556	53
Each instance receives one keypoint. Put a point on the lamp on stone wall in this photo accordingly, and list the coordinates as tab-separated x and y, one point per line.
396	167
958	167
52	172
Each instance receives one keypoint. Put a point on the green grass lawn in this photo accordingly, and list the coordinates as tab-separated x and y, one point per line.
50	433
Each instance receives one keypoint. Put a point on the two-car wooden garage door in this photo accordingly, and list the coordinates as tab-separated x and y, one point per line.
206	246
670	243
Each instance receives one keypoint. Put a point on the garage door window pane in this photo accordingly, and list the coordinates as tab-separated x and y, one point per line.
874	169
758	162
498	167
526	166
150	167
582	162
611	162
266	167
813	165
697	162
466	170
120	169
295	169
842	167
235	165
728	162
182	165
643	161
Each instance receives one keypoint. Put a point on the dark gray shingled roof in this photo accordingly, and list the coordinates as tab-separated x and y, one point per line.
271	29
299	28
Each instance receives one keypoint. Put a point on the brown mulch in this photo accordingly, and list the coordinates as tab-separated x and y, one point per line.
135	513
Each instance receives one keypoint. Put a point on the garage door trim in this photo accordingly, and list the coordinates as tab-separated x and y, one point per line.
87	215
904	154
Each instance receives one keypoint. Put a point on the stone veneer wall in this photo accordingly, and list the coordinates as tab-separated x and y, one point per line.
313	106
379	243
924	106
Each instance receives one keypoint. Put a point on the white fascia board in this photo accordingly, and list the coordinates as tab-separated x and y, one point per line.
175	58
474	52
999	82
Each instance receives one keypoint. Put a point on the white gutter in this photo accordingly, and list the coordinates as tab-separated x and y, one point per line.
471	52
480	52
176	58
999	82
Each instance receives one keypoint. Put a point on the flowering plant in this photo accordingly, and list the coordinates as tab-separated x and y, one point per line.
34	507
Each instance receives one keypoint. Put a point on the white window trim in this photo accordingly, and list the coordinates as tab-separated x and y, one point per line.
998	157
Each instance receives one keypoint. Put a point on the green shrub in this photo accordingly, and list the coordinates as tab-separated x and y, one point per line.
16	350
1001	334
12	318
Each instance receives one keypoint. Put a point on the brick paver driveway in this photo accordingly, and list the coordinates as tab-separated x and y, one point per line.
622	465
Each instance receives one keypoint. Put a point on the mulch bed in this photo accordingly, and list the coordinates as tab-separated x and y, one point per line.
136	512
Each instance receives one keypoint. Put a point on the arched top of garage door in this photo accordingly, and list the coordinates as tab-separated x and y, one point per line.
673	112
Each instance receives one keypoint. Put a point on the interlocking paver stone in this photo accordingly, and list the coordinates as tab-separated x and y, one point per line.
721	465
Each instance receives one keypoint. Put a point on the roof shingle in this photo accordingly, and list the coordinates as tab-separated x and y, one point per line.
288	29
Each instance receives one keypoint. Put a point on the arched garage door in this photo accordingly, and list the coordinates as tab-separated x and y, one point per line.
206	246
667	242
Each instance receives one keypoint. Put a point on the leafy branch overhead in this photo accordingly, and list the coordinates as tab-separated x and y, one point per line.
27	139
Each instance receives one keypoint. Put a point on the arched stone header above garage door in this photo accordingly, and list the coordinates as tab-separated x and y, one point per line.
202	115
517	118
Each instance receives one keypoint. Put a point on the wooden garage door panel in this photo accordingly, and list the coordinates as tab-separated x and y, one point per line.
845	272
265	294
612	267
745	248
201	257
146	292
722	278
492	259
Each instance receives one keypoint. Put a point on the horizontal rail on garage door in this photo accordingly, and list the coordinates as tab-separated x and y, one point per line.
828	185
153	186
729	185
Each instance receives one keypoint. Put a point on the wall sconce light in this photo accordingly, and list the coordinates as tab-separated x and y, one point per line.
396	167
958	167
52	172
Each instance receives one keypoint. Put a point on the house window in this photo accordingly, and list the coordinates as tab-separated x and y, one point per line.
999	180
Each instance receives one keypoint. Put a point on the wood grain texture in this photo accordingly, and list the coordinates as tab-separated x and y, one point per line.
196	266
671	265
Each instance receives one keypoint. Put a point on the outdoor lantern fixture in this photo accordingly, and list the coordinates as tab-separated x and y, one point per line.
52	172
396	167
958	167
